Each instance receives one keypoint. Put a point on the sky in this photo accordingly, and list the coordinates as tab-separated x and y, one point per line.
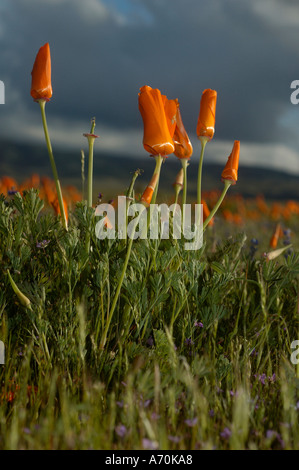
104	51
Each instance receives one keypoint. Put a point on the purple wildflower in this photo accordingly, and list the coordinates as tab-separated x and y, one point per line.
191	422
226	433
262	378
11	192
189	341
150	445
270	433
199	324
150	341
175	439
272	378
43	244
121	430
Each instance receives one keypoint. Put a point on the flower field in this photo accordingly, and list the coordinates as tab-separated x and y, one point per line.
128	344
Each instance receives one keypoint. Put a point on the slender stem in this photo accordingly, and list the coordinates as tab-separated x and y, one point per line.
42	104
91	140
203	141
130	194
227	184
82	173
104	335
184	163
157	170
90	172
177	191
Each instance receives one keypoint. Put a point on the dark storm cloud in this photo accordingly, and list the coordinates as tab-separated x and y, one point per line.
102	55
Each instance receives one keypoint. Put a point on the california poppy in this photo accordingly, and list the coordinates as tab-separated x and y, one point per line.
182	145
207	114
41	87
158	114
230	171
149	190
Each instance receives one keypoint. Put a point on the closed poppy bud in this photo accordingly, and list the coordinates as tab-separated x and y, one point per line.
183	147
149	191
41	87
207	113
157	137
230	171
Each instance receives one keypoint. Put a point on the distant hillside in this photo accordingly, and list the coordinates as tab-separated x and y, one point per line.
112	174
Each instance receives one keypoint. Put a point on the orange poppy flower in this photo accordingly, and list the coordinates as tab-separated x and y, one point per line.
182	145
41	87
230	171
207	114
158	114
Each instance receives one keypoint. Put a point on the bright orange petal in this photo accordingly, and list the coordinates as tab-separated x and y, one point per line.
230	171
41	87
207	114
157	138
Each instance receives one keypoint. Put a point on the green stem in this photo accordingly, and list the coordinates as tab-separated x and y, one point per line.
90	163
42	104
177	191
104	335
82	173
227	184
184	163
203	141
157	170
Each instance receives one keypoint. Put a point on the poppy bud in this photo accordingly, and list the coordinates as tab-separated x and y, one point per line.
207	114
41	87
230	171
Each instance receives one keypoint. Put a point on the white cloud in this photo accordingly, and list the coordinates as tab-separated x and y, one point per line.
279	13
128	142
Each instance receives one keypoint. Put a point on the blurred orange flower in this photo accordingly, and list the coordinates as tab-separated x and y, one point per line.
275	236
159	119
41	87
230	171
206	213
182	144
207	114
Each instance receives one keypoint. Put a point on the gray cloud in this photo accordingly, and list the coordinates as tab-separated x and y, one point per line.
103	52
